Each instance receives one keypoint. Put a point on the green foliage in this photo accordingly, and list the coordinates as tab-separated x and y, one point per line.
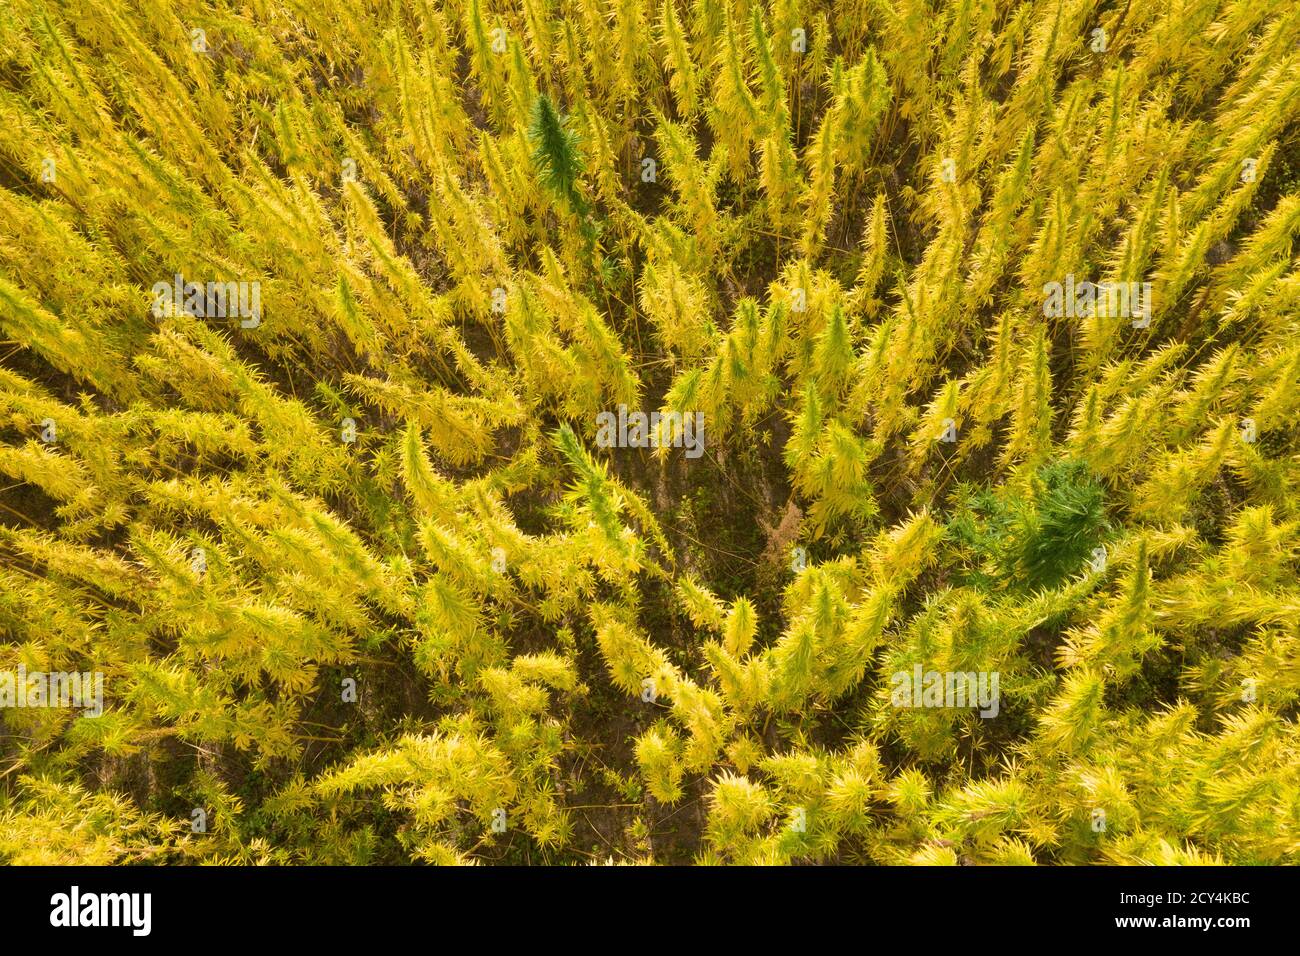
556	151
1037	533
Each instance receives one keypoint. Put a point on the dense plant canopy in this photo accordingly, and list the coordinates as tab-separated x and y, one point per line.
973	332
